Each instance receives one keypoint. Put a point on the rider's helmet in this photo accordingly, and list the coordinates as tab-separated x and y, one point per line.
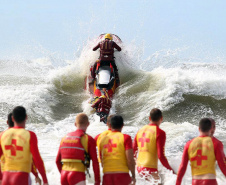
108	36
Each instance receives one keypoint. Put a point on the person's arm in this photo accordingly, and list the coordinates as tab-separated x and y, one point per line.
93	156
95	105
161	139
220	156
96	47
58	161
183	165
36	156
129	156
34	170
135	147
117	47
1	153
96	138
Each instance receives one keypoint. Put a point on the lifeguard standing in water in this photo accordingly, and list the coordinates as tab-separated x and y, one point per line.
150	143
116	155
10	124
18	146
203	152
74	152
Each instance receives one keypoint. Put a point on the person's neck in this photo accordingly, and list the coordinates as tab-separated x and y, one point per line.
156	123
19	124
82	128
204	134
117	130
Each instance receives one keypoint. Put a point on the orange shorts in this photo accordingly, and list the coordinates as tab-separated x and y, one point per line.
116	179
18	178
72	177
204	182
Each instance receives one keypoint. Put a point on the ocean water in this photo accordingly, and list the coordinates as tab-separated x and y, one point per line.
52	90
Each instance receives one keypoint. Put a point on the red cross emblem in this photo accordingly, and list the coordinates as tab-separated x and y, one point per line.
13	147
110	145
143	139
199	157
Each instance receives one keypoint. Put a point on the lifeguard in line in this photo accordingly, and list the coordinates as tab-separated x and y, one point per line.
19	146
116	155
149	145
10	124
203	152
74	152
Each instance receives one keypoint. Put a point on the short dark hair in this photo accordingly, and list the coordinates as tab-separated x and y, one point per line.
205	124
10	121
116	122
19	114
155	114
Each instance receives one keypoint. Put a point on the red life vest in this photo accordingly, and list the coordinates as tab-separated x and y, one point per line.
106	50
104	105
72	148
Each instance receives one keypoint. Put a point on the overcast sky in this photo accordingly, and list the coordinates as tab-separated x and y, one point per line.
37	28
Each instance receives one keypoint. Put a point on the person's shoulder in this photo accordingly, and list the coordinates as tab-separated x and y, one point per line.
190	141
160	130
32	134
127	137
90	137
216	141
145	126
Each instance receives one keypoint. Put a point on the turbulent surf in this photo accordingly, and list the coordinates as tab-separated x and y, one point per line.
53	92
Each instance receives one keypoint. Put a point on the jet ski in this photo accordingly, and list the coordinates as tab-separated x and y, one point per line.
103	76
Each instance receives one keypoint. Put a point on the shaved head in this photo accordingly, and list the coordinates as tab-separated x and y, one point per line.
82	119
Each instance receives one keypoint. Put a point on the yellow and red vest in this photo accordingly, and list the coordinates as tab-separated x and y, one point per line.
73	147
113	154
15	145
2	157
201	155
147	148
100	137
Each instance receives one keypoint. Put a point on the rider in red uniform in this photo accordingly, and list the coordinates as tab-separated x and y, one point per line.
19	147
103	106
107	53
203	152
71	159
150	144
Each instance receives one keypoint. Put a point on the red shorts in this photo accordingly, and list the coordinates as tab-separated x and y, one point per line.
204	182
149	174
16	178
116	179
72	177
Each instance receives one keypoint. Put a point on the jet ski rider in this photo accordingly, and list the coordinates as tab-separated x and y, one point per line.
107	54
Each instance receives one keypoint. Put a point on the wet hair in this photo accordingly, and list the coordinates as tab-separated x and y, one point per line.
205	124
116	122
19	114
155	114
82	119
9	120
